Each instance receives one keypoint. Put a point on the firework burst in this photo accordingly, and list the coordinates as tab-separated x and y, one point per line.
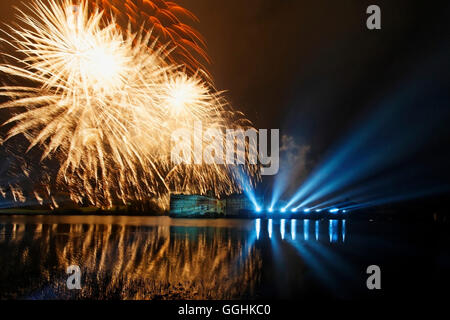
166	21
102	105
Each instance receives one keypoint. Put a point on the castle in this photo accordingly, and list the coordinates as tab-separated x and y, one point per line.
193	205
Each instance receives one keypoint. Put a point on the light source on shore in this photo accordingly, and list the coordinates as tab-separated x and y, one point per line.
334	210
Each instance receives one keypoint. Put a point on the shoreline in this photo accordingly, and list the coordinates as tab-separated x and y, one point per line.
357	216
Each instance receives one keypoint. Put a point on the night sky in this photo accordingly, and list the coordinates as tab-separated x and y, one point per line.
313	69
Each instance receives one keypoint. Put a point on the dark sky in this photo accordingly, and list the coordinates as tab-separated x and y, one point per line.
311	67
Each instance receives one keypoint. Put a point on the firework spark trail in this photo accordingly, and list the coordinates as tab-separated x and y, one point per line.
93	95
166	20
104	104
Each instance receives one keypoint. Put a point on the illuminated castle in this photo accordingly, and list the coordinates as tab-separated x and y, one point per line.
182	205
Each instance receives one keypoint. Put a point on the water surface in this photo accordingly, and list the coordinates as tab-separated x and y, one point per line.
164	258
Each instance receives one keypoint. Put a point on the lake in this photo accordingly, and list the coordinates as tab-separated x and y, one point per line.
164	258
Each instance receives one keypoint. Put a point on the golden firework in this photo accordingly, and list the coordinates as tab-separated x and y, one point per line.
104	104
167	21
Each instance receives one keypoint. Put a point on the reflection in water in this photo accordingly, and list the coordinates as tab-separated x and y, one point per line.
317	230
306	230
258	227
165	259
333	230
336	229
128	262
293	228
269	228
343	230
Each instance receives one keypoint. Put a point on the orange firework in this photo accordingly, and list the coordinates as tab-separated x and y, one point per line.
166	20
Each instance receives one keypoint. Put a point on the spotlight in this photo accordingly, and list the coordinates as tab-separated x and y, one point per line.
270	209
318	210
283	210
258	209
334	210
307	210
294	210
344	211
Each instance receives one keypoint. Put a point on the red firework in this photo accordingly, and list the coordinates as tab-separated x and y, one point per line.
166	20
